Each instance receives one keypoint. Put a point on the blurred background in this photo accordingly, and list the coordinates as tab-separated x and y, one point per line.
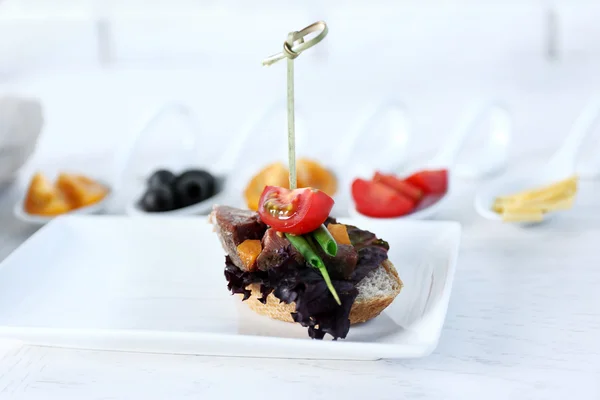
97	65
100	68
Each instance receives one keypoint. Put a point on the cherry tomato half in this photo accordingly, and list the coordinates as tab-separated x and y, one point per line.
375	199
430	181
402	187
294	211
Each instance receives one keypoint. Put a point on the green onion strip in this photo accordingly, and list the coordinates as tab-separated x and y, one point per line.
308	252
323	237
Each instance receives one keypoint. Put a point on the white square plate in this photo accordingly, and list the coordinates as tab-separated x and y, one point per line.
156	284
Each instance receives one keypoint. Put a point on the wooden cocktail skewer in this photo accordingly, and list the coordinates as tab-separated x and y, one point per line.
292	48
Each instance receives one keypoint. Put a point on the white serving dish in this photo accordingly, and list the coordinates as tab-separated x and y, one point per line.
562	165
204	207
491	160
421	212
168	138
157	285
96	208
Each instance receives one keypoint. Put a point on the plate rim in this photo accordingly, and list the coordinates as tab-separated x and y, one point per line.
365	350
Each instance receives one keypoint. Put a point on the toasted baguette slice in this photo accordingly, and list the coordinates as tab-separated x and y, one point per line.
375	292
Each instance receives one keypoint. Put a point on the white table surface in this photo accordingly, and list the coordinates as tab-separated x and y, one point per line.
523	322
523	319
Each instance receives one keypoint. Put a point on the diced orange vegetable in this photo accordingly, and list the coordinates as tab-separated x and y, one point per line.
312	174
339	233
79	190
275	174
248	251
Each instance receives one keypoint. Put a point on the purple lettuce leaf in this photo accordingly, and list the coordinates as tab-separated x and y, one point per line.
293	282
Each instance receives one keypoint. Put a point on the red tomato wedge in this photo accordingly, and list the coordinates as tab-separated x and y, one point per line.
297	211
375	199
430	181
399	185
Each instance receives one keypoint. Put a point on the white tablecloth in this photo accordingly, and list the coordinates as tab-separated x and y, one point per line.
523	322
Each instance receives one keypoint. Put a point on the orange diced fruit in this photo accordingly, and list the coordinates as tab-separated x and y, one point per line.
275	174
339	233
56	206
43	198
248	251
314	175
40	191
79	190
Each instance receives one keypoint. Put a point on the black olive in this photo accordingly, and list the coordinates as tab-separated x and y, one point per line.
158	198
161	177
194	186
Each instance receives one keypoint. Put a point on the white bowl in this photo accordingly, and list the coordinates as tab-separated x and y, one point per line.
485	197
202	208
96	208
422	212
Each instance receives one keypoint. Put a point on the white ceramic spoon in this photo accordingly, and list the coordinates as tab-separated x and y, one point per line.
189	145
261	142
498	138
382	129
562	165
97	208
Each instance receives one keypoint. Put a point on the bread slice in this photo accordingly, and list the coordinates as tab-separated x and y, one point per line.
375	292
